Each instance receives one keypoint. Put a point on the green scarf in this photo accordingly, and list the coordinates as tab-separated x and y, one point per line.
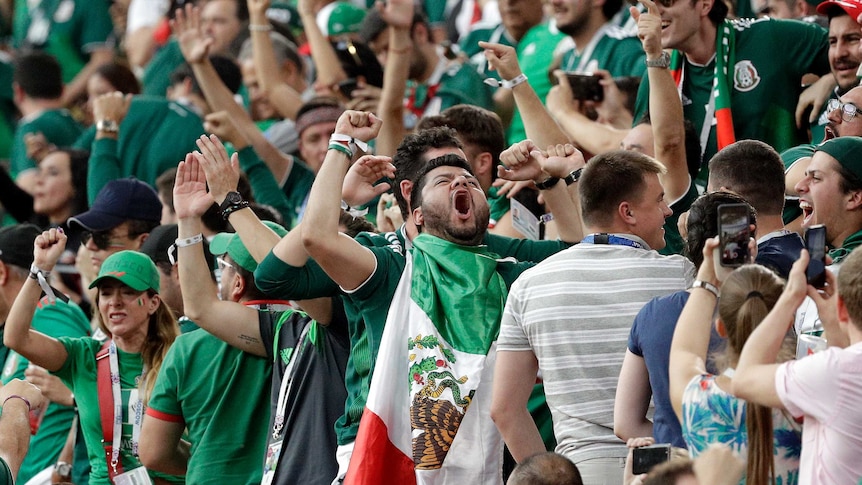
725	59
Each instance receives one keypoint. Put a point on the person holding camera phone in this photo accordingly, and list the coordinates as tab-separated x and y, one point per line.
707	410
822	388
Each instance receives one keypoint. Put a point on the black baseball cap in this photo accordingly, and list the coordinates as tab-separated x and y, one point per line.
16	244
119	201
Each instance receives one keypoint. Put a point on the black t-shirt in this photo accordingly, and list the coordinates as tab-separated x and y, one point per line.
317	393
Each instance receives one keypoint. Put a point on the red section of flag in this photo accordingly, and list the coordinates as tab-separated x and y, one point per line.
376	460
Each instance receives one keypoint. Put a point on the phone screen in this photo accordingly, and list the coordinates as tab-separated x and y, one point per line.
646	457
586	87
734	232
815	243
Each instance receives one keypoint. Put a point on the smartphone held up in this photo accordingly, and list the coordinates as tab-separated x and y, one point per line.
734	230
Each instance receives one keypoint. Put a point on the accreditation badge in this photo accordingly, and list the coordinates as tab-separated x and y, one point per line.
138	476
273	451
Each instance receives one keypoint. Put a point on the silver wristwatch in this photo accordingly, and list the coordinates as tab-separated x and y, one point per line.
663	61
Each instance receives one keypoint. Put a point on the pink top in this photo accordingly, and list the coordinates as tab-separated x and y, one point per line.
825	388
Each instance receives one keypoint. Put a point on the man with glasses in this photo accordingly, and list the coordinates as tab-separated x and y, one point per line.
121	217
843	120
844	57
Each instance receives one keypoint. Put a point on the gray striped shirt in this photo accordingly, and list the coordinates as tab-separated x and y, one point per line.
574	312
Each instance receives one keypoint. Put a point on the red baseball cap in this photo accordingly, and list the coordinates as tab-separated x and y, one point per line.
851	7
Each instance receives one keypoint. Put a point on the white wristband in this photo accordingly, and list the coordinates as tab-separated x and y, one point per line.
508	84
351	142
189	241
42	277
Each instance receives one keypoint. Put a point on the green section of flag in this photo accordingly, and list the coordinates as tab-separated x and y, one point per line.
458	287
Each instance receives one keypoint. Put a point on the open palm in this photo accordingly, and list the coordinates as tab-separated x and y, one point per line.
191	198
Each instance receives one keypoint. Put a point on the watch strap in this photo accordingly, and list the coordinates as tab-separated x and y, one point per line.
547	183
663	61
573	177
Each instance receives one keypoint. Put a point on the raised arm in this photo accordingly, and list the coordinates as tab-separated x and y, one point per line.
754	379
691	337
222	176
36	347
538	122
104	164
346	261
195	48
285	99
230	321
328	68
398	14
524	161
665	107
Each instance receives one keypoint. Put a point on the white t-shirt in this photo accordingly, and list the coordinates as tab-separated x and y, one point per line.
825	389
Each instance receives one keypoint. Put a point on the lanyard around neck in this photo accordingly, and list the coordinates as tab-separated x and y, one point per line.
286	383
116	393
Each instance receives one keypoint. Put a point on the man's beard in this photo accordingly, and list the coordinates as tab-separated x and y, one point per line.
437	223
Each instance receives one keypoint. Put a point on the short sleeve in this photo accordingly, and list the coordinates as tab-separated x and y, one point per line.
634	344
512	334
164	399
800	384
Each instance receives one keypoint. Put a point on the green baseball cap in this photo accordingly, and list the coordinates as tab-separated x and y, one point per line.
847	150
285	14
133	269
229	243
340	18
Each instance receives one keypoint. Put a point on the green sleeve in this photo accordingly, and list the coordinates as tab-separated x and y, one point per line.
806	45
164	397
5	473
278	279
524	249
104	166
263	184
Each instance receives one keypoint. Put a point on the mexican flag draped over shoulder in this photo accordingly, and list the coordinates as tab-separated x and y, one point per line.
427	418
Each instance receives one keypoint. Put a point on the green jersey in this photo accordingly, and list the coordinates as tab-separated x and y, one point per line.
476	55
451	83
154	135
58	319
79	373
157	75
57	125
765	82
613	49
69	30
536	51
222	396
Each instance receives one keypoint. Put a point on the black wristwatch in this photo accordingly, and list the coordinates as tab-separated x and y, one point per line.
547	183
573	177
233	201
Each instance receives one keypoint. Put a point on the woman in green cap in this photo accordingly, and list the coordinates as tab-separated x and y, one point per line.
111	380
